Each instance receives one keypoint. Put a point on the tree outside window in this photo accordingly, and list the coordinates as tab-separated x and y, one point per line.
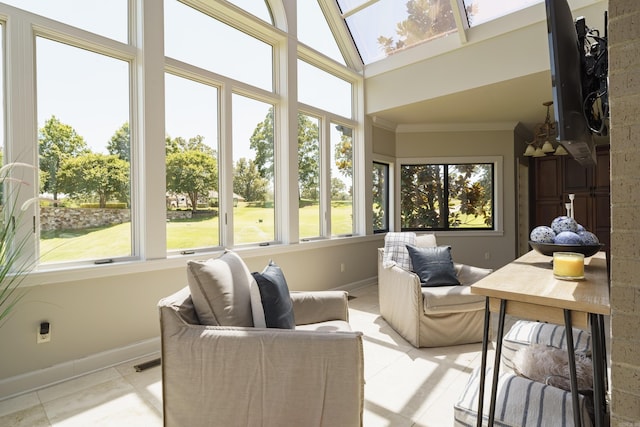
447	196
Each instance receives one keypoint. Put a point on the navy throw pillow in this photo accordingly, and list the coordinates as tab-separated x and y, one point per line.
433	265
276	301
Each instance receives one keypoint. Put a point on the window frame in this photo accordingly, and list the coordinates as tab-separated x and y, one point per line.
498	200
146	97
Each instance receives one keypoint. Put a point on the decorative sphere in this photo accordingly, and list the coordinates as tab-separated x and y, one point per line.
568	238
580	229
588	238
564	223
542	234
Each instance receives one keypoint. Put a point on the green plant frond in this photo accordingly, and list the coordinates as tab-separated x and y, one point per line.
13	267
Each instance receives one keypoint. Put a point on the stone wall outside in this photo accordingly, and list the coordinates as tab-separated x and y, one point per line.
58	218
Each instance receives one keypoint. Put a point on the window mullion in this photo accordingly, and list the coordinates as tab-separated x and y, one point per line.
22	128
147	141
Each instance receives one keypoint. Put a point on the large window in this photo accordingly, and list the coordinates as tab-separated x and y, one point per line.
341	180
191	164
253	171
380	191
84	154
196	38
447	196
310	208
166	132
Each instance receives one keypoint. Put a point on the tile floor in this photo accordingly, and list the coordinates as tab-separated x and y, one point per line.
404	387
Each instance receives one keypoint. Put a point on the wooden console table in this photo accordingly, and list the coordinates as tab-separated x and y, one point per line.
526	288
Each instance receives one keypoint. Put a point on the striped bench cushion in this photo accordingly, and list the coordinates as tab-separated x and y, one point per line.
524	333
520	402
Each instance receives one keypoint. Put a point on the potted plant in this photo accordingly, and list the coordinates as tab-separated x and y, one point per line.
13	267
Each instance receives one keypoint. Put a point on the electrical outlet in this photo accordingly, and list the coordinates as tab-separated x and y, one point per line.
487	255
342	268
45	337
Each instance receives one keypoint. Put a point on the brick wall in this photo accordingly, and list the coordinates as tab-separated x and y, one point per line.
624	84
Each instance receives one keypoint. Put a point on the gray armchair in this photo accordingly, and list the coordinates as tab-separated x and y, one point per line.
312	375
430	316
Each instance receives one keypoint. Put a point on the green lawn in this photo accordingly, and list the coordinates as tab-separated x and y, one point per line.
251	225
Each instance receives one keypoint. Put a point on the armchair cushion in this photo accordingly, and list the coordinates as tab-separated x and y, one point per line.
274	296
433	265
220	290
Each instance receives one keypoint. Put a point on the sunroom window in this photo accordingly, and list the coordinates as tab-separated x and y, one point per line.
447	196
107	18
314	84
191	125
380	191
84	153
315	32
309	175
253	171
259	9
198	39
341	180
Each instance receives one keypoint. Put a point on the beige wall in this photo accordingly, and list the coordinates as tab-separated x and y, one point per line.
107	314
624	63
384	141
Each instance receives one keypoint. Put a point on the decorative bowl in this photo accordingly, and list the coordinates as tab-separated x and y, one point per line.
549	248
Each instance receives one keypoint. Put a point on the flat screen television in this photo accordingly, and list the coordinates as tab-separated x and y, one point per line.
566	55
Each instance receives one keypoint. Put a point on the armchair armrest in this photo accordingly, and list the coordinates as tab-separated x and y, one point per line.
400	297
319	306
282	375
468	274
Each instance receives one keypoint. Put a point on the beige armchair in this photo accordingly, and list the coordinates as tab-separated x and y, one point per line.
312	375
431	316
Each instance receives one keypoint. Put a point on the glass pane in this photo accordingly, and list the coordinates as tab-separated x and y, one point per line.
198	39
192	164
83	121
259	9
471	196
253	171
422	198
323	90
380	197
479	11
341	180
309	176
347	5
314	31
107	18
385	27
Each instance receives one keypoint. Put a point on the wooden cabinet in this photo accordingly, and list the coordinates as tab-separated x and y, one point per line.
555	177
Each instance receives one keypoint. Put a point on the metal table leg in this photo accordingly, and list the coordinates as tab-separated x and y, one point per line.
496	362
483	364
599	368
572	368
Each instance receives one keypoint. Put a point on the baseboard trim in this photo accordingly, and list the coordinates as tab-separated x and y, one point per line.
31	381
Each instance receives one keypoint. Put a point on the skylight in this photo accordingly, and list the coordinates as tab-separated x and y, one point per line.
381	28
479	11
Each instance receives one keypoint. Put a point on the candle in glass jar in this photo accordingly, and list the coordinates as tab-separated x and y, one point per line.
568	265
